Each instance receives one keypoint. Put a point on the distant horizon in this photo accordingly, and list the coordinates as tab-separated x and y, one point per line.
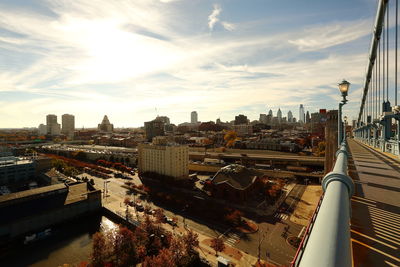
284	114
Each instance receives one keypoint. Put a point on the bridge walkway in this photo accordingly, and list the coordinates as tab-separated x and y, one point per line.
375	222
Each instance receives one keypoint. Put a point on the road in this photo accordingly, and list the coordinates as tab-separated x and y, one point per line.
309	159
280	252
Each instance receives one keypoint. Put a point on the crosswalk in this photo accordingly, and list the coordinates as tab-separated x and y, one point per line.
281	216
231	238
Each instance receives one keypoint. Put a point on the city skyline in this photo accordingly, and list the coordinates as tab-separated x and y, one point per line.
100	56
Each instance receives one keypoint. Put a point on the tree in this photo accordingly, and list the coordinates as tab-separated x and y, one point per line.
190	241
127	201
218	245
230	138
163	259
99	250
234	218
124	247
159	215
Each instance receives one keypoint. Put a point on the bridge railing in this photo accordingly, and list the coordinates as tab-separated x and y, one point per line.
327	238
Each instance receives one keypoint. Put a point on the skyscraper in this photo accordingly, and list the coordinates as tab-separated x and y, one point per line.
308	118
68	125
263	118
301	114
193	117
290	116
53	128
270	113
279	115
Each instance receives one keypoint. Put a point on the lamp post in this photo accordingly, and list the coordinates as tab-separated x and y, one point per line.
344	127
343	88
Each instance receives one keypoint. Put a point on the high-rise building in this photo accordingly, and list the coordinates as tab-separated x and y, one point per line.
263	118
105	125
240	119
193	117
270	113
68	125
290	116
153	128
164	158
279	115
308	118
301	114
53	128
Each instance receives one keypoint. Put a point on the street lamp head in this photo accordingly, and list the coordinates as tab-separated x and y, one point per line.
344	87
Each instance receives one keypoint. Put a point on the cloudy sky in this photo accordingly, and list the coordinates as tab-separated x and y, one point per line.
134	59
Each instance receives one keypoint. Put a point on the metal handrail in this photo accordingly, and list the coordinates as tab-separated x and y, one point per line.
328	241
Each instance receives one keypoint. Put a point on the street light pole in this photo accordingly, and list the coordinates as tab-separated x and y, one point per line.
340	124
343	88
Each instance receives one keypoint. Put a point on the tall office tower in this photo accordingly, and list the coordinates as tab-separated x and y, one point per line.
270	113
105	125
53	128
68	125
290	116
279	115
263	118
301	114
193	117
153	128
51	119
308	118
240	119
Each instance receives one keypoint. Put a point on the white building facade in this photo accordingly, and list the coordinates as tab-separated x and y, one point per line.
165	159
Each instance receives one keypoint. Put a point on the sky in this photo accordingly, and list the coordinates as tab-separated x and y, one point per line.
135	59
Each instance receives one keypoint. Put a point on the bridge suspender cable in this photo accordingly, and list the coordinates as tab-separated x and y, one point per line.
387	55
395	63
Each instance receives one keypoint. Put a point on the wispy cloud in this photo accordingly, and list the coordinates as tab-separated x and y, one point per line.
213	17
323	36
228	26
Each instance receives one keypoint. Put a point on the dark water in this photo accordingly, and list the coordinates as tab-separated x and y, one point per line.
69	244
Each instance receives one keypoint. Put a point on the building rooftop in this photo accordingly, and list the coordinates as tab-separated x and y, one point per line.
6	161
236	176
39	200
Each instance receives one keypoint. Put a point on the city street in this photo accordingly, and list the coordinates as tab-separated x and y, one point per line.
274	247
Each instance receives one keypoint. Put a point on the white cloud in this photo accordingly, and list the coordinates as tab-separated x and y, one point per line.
213	17
228	26
323	36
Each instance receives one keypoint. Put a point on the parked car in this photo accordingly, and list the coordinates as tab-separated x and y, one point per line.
139	207
171	221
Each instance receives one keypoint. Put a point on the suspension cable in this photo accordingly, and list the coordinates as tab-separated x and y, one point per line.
387	54
383	62
395	64
379	78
